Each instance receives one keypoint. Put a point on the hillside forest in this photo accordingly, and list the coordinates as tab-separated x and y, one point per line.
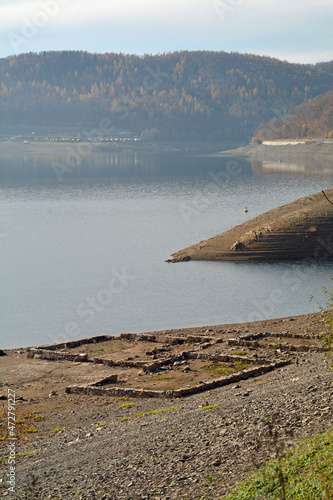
173	96
308	120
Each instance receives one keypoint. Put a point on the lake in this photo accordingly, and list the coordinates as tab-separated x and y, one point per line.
83	249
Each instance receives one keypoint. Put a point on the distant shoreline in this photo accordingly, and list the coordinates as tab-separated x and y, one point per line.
287	150
11	149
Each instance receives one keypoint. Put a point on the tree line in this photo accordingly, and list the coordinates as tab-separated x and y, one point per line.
174	96
308	120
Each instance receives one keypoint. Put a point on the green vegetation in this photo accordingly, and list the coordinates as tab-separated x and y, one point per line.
125	419
24	423
241	365
239	353
101	424
210	479
126	405
307	473
219	368
57	430
18	455
209	407
174	96
226	368
38	418
156	412
161	377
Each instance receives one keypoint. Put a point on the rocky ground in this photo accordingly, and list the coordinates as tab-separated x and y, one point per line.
94	447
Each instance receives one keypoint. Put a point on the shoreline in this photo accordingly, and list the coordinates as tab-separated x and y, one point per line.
242	326
284	150
10	149
163	448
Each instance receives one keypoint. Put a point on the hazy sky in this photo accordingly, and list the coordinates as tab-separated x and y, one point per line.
295	30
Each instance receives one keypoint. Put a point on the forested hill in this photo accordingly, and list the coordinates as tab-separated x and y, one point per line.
308	120
181	95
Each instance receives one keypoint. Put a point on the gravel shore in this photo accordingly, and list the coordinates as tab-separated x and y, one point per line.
318	149
90	447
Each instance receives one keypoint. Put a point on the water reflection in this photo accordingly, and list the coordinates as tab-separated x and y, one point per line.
62	241
33	169
306	167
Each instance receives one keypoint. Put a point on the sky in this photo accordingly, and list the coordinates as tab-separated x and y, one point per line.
294	30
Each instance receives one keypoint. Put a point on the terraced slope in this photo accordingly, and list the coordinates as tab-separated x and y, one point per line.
298	230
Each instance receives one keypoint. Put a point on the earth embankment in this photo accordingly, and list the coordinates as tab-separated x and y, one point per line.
298	230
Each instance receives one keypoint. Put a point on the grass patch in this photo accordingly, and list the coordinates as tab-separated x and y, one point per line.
125	419
101	424
57	430
307	473
126	405
226	368
239	353
39	418
241	365
23	424
156	412
161	377
209	407
210	479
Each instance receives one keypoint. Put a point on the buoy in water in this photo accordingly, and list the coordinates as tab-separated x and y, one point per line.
245	210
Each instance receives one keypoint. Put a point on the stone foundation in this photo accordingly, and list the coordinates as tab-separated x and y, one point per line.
185	391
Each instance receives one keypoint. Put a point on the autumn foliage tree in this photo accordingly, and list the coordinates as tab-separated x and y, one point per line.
308	120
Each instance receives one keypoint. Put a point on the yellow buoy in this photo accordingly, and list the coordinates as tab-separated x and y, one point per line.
245	210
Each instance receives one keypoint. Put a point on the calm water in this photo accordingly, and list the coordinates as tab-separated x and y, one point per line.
85	256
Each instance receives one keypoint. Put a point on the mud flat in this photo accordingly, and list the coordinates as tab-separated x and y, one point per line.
299	230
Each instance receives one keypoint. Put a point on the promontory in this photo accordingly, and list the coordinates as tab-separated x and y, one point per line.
302	229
